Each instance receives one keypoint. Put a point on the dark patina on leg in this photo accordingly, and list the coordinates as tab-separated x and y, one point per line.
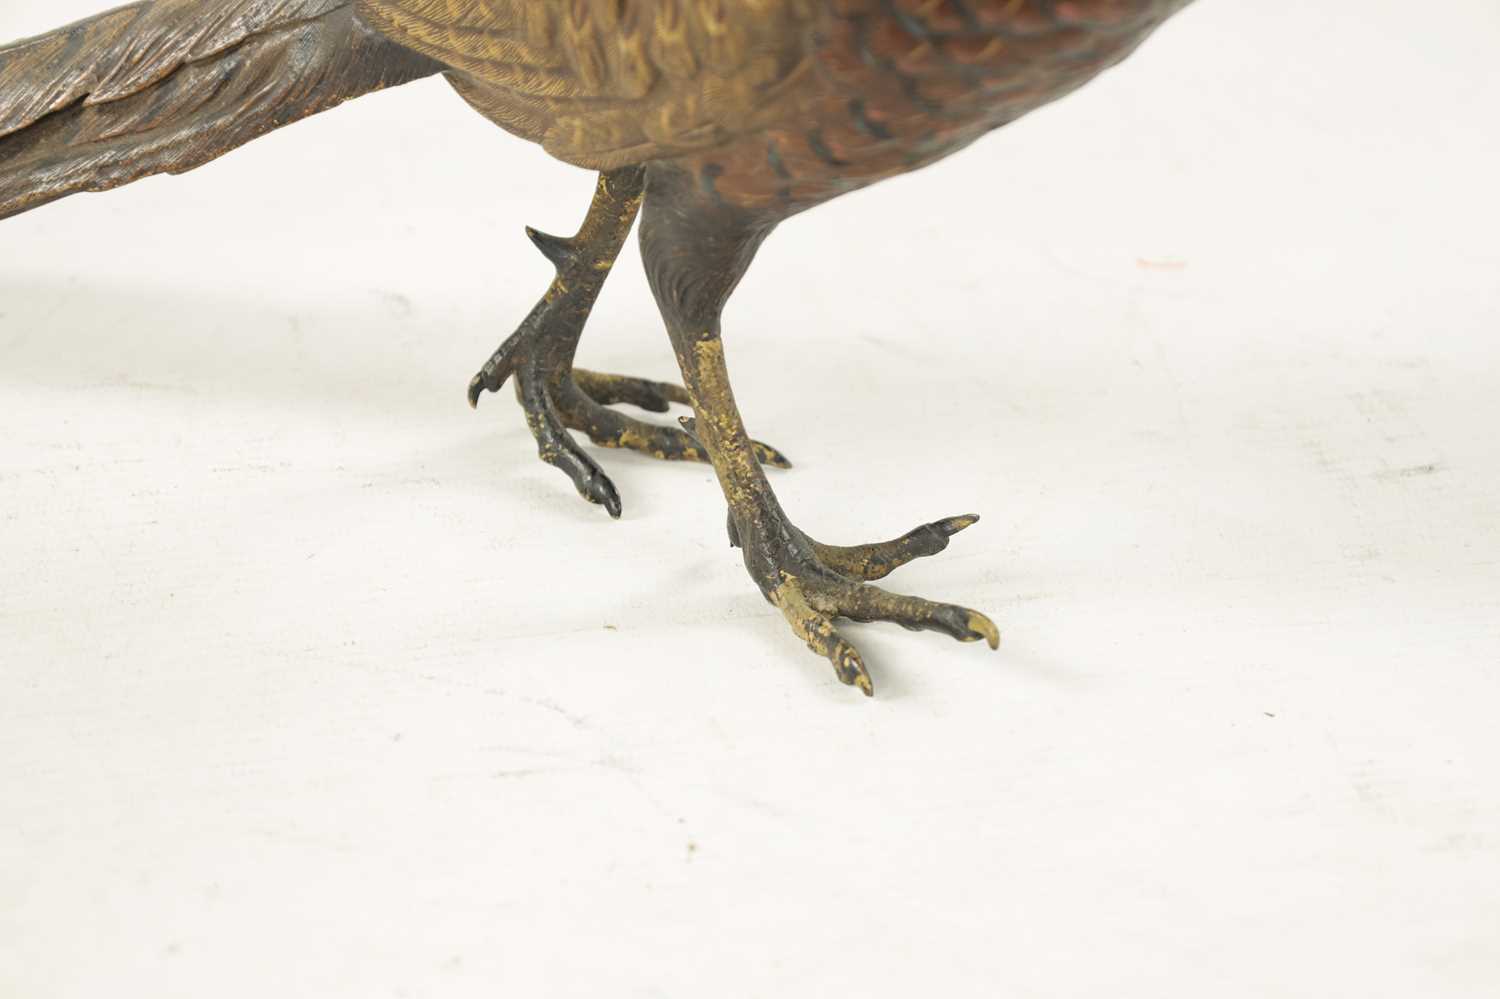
539	356
696	250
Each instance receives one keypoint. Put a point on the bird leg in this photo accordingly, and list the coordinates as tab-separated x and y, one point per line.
695	254
539	355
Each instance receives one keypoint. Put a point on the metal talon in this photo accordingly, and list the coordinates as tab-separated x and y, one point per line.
561	251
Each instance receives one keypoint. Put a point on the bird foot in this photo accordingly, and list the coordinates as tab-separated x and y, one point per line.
813	584
557	397
880	559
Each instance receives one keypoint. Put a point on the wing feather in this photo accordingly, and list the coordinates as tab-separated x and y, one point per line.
605	82
128	50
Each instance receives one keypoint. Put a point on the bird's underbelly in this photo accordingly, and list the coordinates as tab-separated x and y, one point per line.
811	160
886	100
884	87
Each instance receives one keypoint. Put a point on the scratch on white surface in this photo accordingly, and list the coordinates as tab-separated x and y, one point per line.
1412	472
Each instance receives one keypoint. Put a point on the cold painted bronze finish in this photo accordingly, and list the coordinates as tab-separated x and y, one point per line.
539	355
713	121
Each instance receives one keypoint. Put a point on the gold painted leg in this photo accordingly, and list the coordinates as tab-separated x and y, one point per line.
696	249
814	584
556	396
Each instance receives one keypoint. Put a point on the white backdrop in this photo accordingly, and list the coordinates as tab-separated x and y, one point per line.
315	683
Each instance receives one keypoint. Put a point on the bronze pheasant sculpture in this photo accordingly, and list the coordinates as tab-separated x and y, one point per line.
715	120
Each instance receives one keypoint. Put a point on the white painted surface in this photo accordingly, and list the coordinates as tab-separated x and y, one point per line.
313	683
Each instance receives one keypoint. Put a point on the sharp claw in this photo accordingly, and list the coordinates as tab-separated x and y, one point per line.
492	377
851	670
953	525
982	627
561	252
602	491
770	456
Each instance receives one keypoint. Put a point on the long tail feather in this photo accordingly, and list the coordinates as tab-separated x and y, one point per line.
167	85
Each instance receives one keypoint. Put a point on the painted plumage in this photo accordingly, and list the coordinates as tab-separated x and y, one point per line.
712	120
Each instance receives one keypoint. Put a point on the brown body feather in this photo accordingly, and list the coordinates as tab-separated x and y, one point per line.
778	104
607	83
781	101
